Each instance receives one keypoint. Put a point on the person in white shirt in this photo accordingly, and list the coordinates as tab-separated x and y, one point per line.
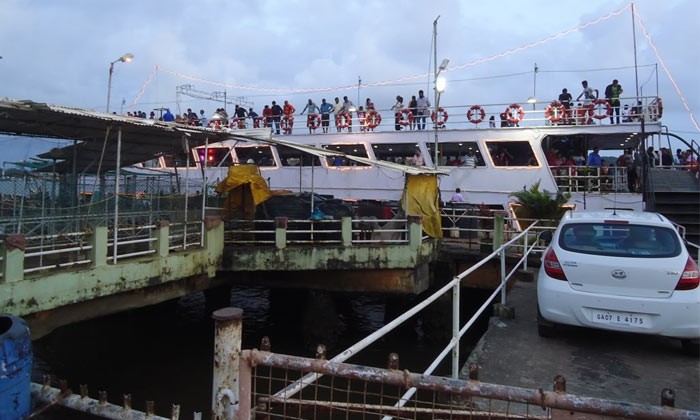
203	121
398	106
348	107
422	103
468	160
418	159
457	196
337	109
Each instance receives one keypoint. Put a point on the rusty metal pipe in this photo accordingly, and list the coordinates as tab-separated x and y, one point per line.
468	388
50	395
227	347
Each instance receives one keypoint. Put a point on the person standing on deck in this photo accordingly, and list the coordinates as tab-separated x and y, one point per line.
289	111
398	106
337	110
326	109
457	196
276	115
594	158
612	94
168	116
203	121
267	116
348	107
252	115
588	97
413	107
312	109
422	103
565	99
241	114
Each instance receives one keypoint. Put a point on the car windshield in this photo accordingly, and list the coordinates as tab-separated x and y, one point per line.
620	240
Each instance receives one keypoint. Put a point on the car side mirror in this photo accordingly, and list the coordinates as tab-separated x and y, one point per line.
545	236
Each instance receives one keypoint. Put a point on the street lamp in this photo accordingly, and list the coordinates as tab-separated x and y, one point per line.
440	84
124	59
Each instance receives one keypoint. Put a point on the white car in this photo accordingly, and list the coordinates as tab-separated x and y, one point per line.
619	270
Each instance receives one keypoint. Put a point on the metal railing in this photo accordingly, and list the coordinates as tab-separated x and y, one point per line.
318	232
457	330
541	113
590	178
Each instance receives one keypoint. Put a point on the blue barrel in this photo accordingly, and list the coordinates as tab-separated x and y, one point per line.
15	368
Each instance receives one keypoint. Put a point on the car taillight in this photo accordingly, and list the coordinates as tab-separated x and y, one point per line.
689	279
552	266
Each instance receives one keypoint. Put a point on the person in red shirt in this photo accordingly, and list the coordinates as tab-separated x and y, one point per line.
267	116
289	112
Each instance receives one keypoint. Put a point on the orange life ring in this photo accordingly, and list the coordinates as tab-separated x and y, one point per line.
214	124
236	123
656	109
345	118
596	105
313	121
583	115
473	111
373	119
555	112
517	117
258	122
409	117
287	123
442	120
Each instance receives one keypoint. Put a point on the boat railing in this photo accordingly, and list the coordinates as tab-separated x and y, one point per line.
632	110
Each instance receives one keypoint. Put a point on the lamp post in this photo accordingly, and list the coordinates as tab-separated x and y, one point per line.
124	59
440	84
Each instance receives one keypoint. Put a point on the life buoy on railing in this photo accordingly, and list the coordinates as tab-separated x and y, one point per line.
476	114
236	123
342	120
373	119
514	113
555	112
443	119
258	122
409	117
656	109
313	121
287	123
597	106
214	124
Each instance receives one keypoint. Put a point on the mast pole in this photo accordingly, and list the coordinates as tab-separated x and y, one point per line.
634	44
435	74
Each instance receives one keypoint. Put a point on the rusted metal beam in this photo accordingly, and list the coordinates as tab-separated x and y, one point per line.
539	397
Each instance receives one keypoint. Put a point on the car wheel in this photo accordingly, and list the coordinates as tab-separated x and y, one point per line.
691	347
545	328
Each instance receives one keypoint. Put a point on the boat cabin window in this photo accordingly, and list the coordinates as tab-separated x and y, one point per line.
153	163
177	161
215	156
511	153
395	152
457	153
293	157
260	155
349	149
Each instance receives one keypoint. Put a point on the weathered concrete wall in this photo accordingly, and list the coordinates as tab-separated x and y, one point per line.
46	291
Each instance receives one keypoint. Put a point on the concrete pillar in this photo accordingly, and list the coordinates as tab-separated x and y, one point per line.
162	242
281	232
12	263
213	242
346	230
98	241
227	348
415	231
498	221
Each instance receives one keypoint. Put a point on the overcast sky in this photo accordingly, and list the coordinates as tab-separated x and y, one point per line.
59	52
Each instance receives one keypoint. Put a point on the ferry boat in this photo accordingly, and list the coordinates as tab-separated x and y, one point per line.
486	163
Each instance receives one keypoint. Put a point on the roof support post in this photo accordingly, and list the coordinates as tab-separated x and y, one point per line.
115	230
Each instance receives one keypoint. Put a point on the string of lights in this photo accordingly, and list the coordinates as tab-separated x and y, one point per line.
143	88
400	79
668	72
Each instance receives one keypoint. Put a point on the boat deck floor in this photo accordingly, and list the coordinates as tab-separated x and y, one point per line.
596	363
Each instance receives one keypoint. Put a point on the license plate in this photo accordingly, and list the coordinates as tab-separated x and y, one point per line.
621	318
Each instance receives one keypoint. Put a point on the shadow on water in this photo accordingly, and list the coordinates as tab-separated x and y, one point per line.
164	352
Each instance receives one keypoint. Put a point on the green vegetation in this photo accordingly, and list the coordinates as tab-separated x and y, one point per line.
536	204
